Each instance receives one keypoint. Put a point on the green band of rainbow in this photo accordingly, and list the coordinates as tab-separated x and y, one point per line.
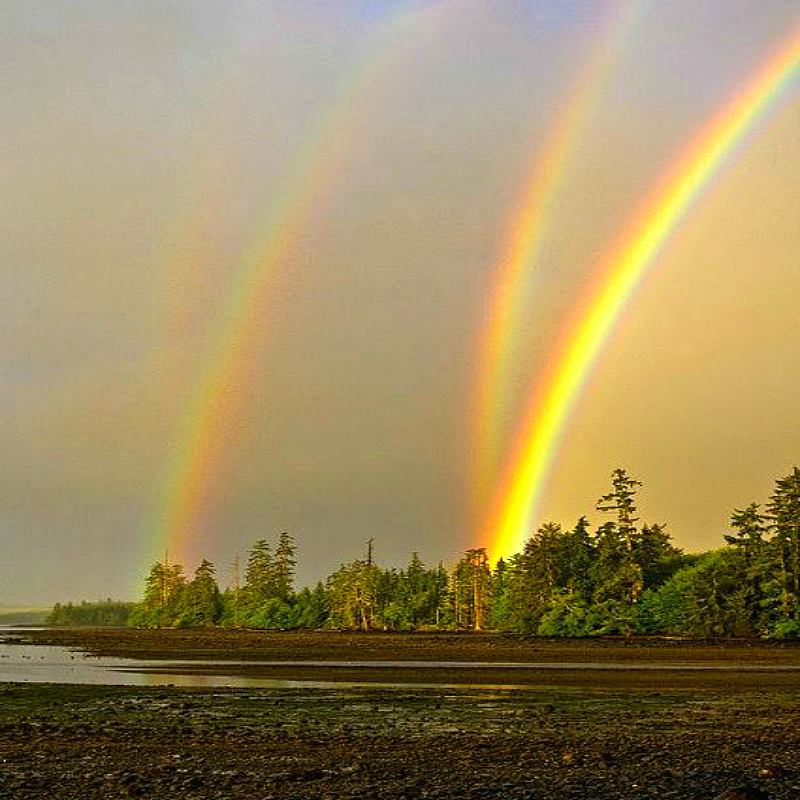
186	488
527	230
617	277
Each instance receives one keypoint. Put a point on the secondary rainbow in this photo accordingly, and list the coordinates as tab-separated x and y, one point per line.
617	276
186	488
526	233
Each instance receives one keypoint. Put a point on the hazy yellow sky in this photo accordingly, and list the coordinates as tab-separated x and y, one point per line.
146	147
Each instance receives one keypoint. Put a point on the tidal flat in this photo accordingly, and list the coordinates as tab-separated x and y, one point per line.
673	733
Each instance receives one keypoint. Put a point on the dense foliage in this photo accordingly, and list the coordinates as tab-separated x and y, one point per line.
622	577
103	613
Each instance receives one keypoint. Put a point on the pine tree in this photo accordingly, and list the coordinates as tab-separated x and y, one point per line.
784	515
750	597
622	500
259	574
284	564
578	554
618	576
352	594
163	595
470	587
500	603
534	574
202	604
655	554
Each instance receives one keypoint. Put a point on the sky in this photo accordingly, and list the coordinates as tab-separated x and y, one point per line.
248	249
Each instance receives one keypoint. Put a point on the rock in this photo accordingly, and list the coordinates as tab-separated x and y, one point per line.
773	771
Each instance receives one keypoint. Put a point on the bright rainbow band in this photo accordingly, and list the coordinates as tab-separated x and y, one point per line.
616	278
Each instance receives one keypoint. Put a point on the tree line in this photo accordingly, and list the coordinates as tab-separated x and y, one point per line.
621	577
91	614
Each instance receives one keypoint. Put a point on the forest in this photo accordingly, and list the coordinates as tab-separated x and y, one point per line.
622	577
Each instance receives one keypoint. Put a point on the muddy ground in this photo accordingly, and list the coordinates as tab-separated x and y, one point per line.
334	645
680	735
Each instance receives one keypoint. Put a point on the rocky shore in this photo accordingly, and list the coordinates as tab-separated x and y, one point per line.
692	740
82	743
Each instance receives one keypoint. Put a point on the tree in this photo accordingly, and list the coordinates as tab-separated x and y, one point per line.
755	560
259	574
577	558
622	500
535	576
784	515
500	617
352	595
202	602
283	572
655	554
470	588
619	577
163	593
312	607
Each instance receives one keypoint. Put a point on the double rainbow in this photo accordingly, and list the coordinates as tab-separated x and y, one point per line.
616	278
523	242
186	487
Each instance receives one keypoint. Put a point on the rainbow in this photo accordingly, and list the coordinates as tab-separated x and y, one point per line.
616	278
523	241
187	485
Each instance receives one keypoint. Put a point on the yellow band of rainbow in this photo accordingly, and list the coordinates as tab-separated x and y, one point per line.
617	276
186	489
526	232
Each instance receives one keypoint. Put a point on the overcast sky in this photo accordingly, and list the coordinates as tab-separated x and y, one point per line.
146	147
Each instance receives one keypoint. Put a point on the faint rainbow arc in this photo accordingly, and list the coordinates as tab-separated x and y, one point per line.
523	240
201	437
618	275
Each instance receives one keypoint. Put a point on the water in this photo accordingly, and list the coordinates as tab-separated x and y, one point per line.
26	663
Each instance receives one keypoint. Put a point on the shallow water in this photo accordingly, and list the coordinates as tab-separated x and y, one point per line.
27	663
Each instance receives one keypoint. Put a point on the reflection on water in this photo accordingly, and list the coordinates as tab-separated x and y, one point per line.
27	663
23	663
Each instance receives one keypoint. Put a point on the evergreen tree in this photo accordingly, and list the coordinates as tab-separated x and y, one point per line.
784	513
352	595
534	573
470	589
619	577
283	573
500	616
259	574
577	558
202	601
163	594
755	560
655	554
312	607
622	500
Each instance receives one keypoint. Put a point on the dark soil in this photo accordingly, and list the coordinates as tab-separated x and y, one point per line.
81	743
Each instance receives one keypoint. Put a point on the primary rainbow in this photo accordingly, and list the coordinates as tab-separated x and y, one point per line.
523	241
617	277
186	487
